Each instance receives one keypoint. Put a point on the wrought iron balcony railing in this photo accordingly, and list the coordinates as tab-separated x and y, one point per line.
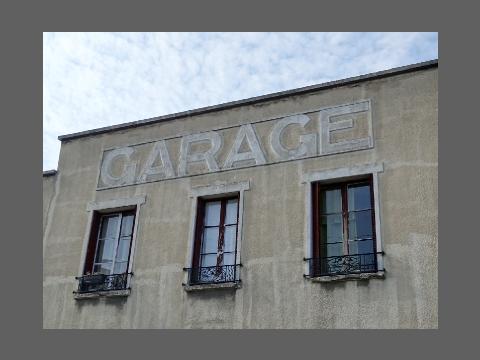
343	265
100	282
213	274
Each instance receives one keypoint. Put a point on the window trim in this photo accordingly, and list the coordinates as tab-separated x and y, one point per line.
101	216
111	206
214	191
200	227
341	175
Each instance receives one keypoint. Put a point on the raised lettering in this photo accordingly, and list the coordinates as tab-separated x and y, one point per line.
165	170
208	156
328	127
128	172
308	143
246	132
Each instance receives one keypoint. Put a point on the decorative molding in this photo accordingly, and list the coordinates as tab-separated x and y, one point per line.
340	174
113	205
98	294
218	189
116	203
363	276
232	285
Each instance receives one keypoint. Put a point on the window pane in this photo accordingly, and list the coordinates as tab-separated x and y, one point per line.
229	259
209	260
232	208
331	228
360	225
230	237
360	247
109	227
331	201
127	225
105	250
210	240
212	213
331	250
365	247
123	250
104	268
120	267
359	197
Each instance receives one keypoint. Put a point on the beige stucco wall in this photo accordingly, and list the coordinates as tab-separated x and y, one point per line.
274	293
48	194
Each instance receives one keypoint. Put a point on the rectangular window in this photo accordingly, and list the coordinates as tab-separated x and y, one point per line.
215	246
343	228
113	244
108	252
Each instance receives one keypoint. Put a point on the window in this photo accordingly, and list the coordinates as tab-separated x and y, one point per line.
343	227
215	236
112	244
108	253
215	245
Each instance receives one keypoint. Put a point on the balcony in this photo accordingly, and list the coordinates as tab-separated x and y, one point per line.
208	277
97	285
358	266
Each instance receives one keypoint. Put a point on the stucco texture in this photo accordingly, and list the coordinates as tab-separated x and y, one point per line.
274	293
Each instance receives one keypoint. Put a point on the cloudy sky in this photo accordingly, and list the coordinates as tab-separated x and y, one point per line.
92	80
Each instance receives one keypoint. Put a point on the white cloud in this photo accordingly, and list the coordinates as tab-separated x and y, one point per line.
99	79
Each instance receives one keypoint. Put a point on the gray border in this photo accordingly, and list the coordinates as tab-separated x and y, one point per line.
458	132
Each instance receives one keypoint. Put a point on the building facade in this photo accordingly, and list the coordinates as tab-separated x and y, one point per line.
310	208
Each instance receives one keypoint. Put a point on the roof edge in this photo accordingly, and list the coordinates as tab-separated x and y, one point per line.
49	173
268	97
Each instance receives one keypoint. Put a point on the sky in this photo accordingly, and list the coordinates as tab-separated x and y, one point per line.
91	80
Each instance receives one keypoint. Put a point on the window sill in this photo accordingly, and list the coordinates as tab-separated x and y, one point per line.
98	294
362	276
201	287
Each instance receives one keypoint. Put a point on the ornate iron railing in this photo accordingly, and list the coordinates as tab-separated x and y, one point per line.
101	282
213	274
343	265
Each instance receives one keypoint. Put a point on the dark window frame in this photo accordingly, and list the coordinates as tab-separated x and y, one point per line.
200	227
318	259
93	240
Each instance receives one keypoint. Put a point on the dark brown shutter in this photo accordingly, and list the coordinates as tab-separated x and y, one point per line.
315	220
92	243
374	230
132	212
198	233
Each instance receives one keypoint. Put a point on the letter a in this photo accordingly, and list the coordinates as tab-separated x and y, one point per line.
165	170
256	153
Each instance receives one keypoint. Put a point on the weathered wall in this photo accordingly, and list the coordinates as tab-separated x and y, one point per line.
274	293
48	194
